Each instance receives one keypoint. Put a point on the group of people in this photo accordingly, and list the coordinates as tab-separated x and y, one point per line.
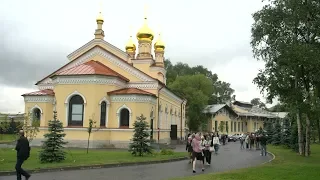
258	141
200	147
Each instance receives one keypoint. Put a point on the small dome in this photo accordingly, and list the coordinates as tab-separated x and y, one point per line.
159	44
145	33
130	45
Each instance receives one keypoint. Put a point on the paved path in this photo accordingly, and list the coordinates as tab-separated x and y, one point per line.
230	157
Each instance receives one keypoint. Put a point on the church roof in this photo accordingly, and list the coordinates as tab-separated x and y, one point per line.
44	92
91	68
130	91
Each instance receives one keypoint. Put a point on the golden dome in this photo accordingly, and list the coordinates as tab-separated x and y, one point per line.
145	33
159	44
130	46
99	17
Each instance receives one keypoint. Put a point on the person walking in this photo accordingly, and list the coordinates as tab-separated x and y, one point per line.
241	143
189	148
247	141
207	152
215	143
197	153
263	144
23	153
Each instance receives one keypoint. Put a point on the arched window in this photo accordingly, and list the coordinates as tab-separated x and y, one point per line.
36	113
124	118
76	109
103	113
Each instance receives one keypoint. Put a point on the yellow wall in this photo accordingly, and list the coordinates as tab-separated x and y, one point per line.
47	111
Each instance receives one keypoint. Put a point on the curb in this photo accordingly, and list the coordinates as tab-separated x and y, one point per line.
93	166
273	157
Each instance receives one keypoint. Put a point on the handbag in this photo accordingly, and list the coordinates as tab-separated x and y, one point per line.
211	149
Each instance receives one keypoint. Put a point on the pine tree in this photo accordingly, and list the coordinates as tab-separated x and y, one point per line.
140	142
269	129
276	137
294	137
286	135
52	148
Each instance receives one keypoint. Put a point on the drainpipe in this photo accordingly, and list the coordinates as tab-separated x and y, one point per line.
181	118
158	122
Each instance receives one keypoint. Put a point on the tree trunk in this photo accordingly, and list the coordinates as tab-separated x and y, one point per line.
318	128
307	145
300	137
88	143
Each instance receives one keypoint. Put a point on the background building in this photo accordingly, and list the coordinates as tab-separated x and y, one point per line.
239	117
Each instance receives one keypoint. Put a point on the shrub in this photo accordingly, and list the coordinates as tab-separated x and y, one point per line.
166	152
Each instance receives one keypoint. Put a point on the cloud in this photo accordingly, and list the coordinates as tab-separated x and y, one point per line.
23	63
36	38
11	100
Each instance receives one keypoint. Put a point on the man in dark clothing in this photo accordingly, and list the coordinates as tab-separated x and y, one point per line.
263	144
23	153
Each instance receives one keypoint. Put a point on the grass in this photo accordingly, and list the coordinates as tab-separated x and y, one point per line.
94	157
287	165
7	138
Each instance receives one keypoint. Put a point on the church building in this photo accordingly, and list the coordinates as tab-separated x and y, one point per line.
112	87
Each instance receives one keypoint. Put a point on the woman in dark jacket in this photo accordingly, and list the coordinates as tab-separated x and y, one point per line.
189	148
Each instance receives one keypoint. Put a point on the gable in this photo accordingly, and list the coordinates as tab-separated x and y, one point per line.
111	59
98	42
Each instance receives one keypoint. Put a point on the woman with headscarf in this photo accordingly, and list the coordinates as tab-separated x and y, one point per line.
197	153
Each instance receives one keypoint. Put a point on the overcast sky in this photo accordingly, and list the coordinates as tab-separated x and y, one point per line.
37	35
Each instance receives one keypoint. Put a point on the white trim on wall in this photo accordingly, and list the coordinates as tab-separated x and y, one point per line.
108	129
118	114
36	99
75	93
36	107
133	98
91	79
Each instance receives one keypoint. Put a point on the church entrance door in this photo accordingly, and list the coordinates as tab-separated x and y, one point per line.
174	132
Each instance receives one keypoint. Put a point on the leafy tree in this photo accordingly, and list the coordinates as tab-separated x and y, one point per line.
222	91
4	126
52	148
30	126
285	35
140	142
92	124
280	107
258	102
221	126
277	134
196	89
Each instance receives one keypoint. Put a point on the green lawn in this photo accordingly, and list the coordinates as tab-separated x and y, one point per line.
6	138
80	157
287	165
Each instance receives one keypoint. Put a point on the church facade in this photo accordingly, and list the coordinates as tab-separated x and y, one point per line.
112	87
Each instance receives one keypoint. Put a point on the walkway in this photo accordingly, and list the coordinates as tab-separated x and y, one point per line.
230	157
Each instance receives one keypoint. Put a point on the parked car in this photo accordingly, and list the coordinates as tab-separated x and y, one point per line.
237	136
232	138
